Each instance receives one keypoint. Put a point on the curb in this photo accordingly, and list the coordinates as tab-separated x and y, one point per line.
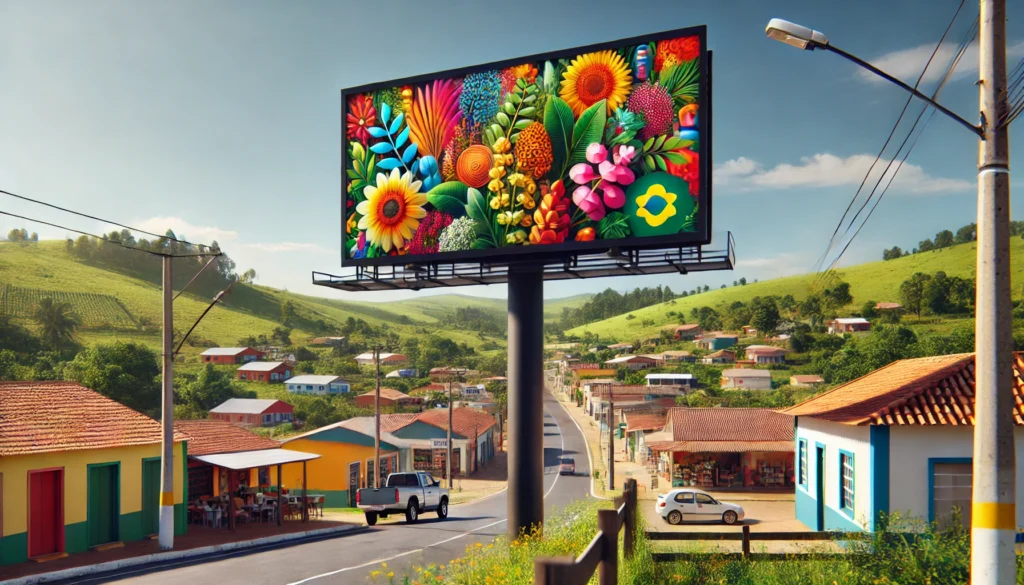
590	459
75	572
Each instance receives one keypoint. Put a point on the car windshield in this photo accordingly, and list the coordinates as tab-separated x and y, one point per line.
567	461
430	479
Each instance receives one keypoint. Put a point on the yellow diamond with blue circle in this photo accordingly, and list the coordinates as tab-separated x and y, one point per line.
658	204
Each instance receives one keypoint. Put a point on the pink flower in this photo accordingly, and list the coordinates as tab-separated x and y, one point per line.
589	201
596	152
582	173
614	196
623	154
600	188
615	173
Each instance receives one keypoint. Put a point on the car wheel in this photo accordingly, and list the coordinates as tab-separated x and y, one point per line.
412	513
729	517
371	518
442	509
675	517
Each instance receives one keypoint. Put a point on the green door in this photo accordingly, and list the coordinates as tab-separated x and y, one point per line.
151	497
104	504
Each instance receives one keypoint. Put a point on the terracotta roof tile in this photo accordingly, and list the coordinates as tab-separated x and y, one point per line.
465	421
47	417
645	421
390	423
808	379
390	394
722	446
210	437
730	424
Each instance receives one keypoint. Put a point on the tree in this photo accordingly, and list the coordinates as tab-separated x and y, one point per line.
57	322
936	294
838	295
912	292
125	372
288	314
743	281
706	288
281	336
968	233
707	318
811	309
249	276
925	246
764	315
868	310
944	239
892	253
737	316
207	389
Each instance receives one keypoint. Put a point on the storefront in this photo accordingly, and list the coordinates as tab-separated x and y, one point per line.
718	470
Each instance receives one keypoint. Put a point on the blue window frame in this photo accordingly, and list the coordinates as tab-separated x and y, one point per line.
846	484
802	462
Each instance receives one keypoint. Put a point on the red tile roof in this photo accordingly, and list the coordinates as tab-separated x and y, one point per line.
688	327
390	394
645	421
730	424
936	390
390	423
808	379
722	446
465	421
47	417
210	437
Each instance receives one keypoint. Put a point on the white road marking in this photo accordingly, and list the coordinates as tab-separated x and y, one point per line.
589	459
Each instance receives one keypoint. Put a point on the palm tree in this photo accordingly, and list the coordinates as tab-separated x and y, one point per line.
57	321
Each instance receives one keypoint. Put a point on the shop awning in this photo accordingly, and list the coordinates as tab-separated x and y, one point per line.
722	446
251	459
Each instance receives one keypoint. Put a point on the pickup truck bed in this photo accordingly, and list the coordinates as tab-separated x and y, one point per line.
411	493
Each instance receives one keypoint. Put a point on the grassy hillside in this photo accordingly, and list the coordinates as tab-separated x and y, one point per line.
117	306
878	281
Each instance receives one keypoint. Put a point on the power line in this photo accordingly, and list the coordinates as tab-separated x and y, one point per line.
86	215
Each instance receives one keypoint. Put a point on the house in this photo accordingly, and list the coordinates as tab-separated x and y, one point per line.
386	359
231	355
596	397
749	331
722	356
716	341
632	362
898	439
766	354
888	307
688	331
388	397
78	470
218	437
448	373
473	438
848	325
620	347
746	379
329	341
686	380
678	356
806	380
308	384
265	371
402	373
640	424
253	412
724	447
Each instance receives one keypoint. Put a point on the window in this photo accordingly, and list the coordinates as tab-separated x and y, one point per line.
846	470
266	419
684	497
803	462
705	499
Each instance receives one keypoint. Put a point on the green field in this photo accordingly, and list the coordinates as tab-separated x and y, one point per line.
877	281
116	306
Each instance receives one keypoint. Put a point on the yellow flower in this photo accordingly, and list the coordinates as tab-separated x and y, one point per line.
505	218
390	574
518	216
502	145
442	567
593	77
384	565
517	179
496	172
653	194
374	574
352	223
531	187
516	237
495	186
526	200
500	200
392	210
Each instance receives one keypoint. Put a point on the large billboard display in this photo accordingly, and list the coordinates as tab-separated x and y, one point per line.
573	151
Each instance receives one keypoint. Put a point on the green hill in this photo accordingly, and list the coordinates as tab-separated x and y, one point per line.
114	305
878	281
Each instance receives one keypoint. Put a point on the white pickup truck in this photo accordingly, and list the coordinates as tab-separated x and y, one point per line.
410	493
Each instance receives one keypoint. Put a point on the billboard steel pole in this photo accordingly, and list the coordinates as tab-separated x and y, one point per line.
525	401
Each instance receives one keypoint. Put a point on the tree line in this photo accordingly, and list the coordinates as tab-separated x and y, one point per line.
609	303
946	238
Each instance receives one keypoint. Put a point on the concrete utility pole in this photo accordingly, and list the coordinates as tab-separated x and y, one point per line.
376	418
993	512
448	457
166	532
611	438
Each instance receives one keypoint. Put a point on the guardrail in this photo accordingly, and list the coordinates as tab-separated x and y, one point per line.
602	554
746	537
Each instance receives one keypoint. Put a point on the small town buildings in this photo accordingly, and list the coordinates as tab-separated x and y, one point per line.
218	437
686	380
722	356
425	435
620	347
716	341
746	379
265	371
231	355
848	325
448	373
688	331
806	380
309	384
749	331
388	397
900	439
632	362
766	354
402	373
78	470
596	397
678	356
329	341
386	359
253	412
724	447
640	424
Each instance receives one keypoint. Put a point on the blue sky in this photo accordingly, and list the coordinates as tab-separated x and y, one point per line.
220	119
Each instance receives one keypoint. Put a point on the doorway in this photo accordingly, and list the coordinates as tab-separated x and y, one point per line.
150	496
46	512
353	483
819	485
104	503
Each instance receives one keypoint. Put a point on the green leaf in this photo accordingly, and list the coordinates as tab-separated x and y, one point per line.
454	189
550	77
613	226
648	144
503	120
660	140
676	158
352	174
514	99
481	244
658	160
528	112
446	204
522	124
589	129
521	83
530	98
476	206
358	152
558	121
496	129
649	163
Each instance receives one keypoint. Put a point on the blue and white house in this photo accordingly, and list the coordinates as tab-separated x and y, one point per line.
898	440
308	384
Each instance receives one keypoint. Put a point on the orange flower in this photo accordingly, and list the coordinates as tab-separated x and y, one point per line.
676	51
586	234
551	219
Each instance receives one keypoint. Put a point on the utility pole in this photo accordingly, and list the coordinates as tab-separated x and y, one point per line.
448	457
611	438
993	511
166	531
376	418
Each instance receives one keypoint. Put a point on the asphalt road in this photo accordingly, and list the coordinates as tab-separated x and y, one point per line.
350	558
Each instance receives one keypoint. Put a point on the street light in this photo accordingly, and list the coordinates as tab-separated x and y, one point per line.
993	507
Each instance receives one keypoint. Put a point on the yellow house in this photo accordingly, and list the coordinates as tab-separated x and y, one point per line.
77	471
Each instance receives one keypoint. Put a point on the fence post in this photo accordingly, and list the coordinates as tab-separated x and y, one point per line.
630	528
553	570
746	542
608	524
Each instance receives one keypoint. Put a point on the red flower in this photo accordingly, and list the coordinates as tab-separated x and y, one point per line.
551	220
427	236
361	116
688	171
676	51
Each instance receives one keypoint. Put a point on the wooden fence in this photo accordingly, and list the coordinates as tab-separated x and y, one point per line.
746	537
602	554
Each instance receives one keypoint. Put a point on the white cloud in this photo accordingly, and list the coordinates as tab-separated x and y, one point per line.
198	234
274	247
829	170
906	64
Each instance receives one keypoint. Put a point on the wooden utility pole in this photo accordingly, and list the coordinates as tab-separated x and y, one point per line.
611	439
448	458
376	418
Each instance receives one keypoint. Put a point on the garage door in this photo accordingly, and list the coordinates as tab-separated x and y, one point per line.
952	493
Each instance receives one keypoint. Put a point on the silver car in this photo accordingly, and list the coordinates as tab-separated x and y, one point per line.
694	505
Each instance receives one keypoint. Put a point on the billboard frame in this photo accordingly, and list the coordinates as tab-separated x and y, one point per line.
550	253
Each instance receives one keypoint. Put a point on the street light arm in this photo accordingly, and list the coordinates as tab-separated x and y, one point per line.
216	300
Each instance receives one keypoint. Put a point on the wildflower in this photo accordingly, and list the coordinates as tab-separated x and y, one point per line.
496	172
374	574
390	574
601	180
516	237
500	200
517	180
459	235
533	149
427	237
361	116
527	221
479	97
501	145
526	200
494	186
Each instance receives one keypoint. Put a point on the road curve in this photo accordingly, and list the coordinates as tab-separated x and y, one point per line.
349	558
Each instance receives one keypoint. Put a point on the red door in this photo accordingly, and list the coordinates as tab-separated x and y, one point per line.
46	512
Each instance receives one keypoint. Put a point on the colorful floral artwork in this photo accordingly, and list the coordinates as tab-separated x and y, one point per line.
593	146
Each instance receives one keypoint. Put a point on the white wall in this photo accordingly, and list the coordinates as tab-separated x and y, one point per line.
751	383
834	436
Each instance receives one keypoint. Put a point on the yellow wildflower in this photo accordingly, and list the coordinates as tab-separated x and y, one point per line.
509	159
390	574
384	565
517	179
501	145
526	200
500	200
374	574
531	187
496	172
494	186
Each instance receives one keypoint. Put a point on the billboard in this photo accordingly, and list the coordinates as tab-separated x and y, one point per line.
587	149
